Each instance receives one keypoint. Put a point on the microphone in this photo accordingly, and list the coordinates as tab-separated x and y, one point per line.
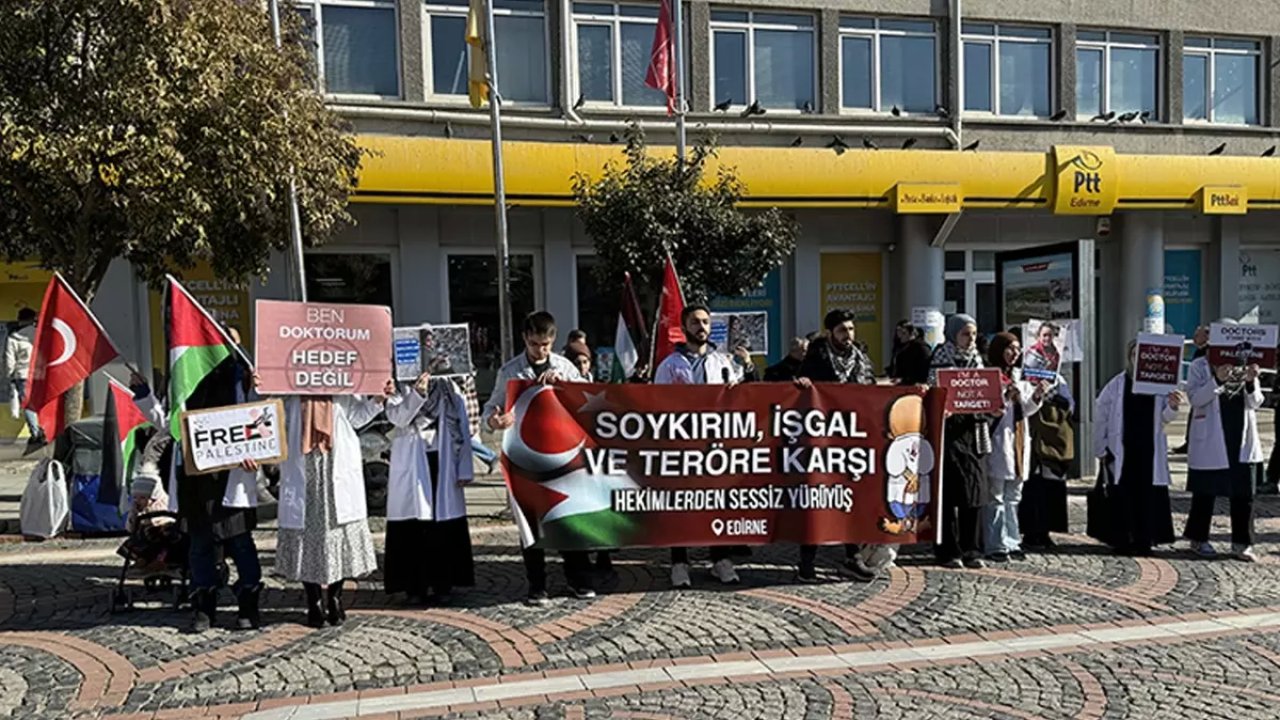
724	375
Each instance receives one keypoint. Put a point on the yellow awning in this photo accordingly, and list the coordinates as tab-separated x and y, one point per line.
1066	180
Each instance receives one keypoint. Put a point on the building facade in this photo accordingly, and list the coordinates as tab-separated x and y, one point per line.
1093	122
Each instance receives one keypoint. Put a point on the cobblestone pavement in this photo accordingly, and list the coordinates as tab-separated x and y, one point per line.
1079	633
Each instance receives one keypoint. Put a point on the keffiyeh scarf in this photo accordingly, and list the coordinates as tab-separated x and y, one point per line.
948	356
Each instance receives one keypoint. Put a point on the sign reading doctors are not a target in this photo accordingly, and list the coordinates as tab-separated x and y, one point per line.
322	348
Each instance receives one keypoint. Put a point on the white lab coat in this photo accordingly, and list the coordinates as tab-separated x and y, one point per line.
409	495
349	413
676	369
1108	430
1207	448
1001	463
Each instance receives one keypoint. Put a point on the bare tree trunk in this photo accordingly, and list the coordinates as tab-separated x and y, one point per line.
73	405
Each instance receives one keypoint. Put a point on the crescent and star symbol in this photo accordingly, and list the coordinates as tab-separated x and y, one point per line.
68	341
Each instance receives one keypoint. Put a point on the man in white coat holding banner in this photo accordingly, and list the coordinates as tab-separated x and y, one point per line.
428	546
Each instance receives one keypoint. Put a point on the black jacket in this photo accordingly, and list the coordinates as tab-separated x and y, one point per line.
818	366
785	370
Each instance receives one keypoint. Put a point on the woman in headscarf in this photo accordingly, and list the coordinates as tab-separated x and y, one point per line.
1053	446
1043	354
1225	454
431	460
1009	464
324	531
968	442
1128	434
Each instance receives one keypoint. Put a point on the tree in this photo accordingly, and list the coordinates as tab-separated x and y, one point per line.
162	132
637	212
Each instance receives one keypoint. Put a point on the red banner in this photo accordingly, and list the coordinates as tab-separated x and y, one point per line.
601	466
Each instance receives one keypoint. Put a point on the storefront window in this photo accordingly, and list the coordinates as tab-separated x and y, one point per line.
473	299
349	278
597	305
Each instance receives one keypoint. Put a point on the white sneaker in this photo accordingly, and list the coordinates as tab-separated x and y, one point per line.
724	572
680	576
1203	549
1244	552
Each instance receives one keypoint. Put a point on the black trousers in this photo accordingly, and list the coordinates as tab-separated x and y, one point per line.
718	553
961	532
577	569
1273	465
809	554
1201	516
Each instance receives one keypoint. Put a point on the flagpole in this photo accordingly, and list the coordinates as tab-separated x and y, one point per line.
295	220
499	187
678	21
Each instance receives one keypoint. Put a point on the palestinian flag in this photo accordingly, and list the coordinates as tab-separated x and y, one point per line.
197	348
121	440
626	349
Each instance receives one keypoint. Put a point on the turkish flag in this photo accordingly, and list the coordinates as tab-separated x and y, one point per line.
667	330
662	63
70	346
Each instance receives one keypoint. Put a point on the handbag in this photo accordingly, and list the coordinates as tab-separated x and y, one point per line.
1098	523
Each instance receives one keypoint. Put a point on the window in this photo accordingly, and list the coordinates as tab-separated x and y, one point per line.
1117	73
358	278
521	42
769	58
357	42
614	43
1007	69
473	299
970	287
1220	80
888	63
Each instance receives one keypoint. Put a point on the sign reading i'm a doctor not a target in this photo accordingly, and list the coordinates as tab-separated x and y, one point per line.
323	348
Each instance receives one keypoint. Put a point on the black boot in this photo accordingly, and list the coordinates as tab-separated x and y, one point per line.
247	617
336	614
315	605
204	606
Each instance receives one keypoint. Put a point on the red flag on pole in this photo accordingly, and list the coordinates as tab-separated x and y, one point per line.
662	63
70	346
667	331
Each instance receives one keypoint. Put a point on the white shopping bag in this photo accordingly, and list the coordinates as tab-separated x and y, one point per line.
45	505
15	404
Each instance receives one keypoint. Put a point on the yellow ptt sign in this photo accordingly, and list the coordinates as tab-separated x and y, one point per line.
1086	180
932	198
1224	200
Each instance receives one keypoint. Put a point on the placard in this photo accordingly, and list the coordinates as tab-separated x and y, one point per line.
973	391
441	350
1243	345
1158	367
1066	346
747	329
323	348
224	437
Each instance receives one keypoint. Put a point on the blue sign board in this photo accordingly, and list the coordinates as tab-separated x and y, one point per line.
767	298
1182	291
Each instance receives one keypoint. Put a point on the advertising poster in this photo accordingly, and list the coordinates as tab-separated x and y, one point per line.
766	299
1260	286
1158	369
1040	287
855	281
1182	291
323	348
613	466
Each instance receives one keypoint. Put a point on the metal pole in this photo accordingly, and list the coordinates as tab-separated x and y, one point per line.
295	219
499	187
957	69
678	20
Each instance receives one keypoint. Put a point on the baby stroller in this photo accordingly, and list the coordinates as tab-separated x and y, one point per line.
156	550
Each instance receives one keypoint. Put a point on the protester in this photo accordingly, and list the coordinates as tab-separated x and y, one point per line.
540	364
1129	438
1201	342
17	362
911	364
904	332
1225	455
579	354
1053	448
835	358
431	460
324	530
1043	354
697	362
785	369
1009	463
575	336
965	489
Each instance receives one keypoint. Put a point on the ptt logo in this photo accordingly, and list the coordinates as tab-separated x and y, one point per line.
1087	176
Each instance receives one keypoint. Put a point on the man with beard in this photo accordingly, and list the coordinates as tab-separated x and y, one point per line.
697	362
836	358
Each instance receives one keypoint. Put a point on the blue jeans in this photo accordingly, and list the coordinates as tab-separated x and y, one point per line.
33	422
1001	533
203	558
482	451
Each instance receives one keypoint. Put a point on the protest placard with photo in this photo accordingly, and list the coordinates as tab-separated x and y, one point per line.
972	391
1157	370
729	331
1243	345
1047	345
322	348
441	350
224	437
